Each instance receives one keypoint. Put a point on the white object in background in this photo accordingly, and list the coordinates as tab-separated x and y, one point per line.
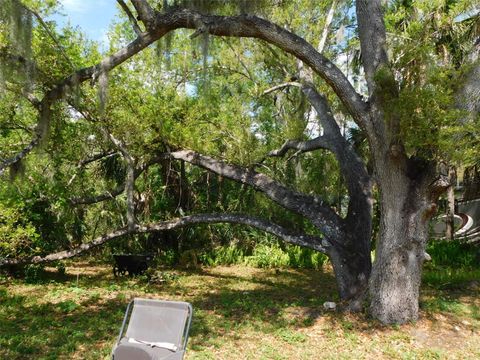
329	305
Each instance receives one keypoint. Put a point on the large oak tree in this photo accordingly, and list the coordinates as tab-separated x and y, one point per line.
409	183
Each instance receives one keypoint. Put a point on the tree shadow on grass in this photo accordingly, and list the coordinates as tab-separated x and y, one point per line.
293	300
57	330
43	275
227	304
454	304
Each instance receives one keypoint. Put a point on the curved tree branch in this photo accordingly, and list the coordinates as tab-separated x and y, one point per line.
352	166
357	179
312	207
58	91
320	142
255	27
304	240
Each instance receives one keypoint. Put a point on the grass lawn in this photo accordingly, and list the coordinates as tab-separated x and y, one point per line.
240	313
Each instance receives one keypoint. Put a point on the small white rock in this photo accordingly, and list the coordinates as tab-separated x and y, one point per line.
329	305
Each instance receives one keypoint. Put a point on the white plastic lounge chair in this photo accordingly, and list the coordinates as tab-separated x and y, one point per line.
157	330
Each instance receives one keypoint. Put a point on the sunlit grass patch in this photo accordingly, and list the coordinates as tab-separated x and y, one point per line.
240	312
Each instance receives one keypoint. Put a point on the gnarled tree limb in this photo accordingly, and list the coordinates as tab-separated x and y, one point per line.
312	207
145	12
252	26
305	240
320	142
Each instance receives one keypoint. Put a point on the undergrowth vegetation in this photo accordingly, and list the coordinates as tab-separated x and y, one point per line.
453	264
266	255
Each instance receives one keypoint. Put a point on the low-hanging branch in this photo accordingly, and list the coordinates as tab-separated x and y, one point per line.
310	206
288	198
305	240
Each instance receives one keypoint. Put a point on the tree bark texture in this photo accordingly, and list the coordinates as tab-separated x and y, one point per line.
407	204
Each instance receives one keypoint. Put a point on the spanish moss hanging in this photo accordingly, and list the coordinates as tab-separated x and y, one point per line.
16	40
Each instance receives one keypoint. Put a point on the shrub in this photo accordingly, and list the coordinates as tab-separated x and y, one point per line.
269	256
453	254
189	259
265	255
168	257
17	235
304	258
60	268
453	264
223	255
34	273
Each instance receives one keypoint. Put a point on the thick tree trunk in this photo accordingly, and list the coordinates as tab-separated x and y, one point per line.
352	271
407	185
407	204
396	274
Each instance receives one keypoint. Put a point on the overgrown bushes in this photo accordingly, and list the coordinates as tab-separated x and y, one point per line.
453	254
265	255
17	235
453	264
